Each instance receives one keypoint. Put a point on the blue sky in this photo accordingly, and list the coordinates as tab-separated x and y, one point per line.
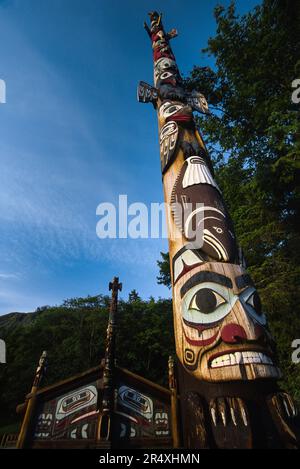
72	135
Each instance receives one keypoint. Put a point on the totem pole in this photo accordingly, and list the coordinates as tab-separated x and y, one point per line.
226	365
27	421
105	417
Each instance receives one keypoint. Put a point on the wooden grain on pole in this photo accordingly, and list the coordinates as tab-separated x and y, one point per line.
104	427
174	405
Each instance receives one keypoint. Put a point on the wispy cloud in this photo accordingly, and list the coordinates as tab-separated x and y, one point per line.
4	276
49	195
61	156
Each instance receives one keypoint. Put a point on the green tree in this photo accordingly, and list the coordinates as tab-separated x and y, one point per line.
74	336
164	277
133	296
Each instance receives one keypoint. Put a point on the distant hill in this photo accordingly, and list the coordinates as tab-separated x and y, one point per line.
11	320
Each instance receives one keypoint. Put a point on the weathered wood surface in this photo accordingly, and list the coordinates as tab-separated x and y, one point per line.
105	424
27	423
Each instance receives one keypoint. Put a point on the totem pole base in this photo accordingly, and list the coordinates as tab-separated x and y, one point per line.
236	414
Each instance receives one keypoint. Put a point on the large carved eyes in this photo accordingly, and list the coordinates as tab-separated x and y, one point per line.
171	110
166	75
168	109
210	303
255	302
206	301
206	304
166	63
250	299
163	64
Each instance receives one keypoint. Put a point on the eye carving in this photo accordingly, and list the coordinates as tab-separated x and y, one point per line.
206	301
166	75
207	304
172	109
255	302
166	63
251	302
168	109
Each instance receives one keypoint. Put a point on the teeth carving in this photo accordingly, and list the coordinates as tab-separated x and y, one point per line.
241	358
219	411
232	413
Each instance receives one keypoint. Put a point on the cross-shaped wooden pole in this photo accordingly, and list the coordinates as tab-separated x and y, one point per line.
104	429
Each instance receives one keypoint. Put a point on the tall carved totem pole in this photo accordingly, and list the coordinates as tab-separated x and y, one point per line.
226	365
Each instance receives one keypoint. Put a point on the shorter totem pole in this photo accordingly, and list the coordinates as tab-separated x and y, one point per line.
27	421
106	414
226	362
174	404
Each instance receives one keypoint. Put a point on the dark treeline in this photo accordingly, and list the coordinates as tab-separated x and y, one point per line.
74	336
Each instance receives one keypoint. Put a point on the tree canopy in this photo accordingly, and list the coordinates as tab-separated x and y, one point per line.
74	336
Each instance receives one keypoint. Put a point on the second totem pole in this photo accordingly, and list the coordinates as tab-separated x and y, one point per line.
226	364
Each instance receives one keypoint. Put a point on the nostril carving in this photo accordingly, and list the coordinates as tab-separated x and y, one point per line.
232	333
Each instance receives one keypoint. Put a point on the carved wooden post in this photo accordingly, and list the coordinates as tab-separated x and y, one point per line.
226	362
26	424
174	404
105	419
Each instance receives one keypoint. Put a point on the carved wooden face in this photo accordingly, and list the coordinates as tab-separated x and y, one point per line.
221	331
164	68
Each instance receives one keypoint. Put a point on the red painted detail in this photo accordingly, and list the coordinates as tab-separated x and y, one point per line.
169	81
201	343
180	118
198	327
156	37
186	269
157	54
232	333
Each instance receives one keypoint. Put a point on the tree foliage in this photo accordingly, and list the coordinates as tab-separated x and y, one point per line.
164	277
74	336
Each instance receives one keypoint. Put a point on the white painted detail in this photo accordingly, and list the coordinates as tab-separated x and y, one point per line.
84	431
241	358
197	172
